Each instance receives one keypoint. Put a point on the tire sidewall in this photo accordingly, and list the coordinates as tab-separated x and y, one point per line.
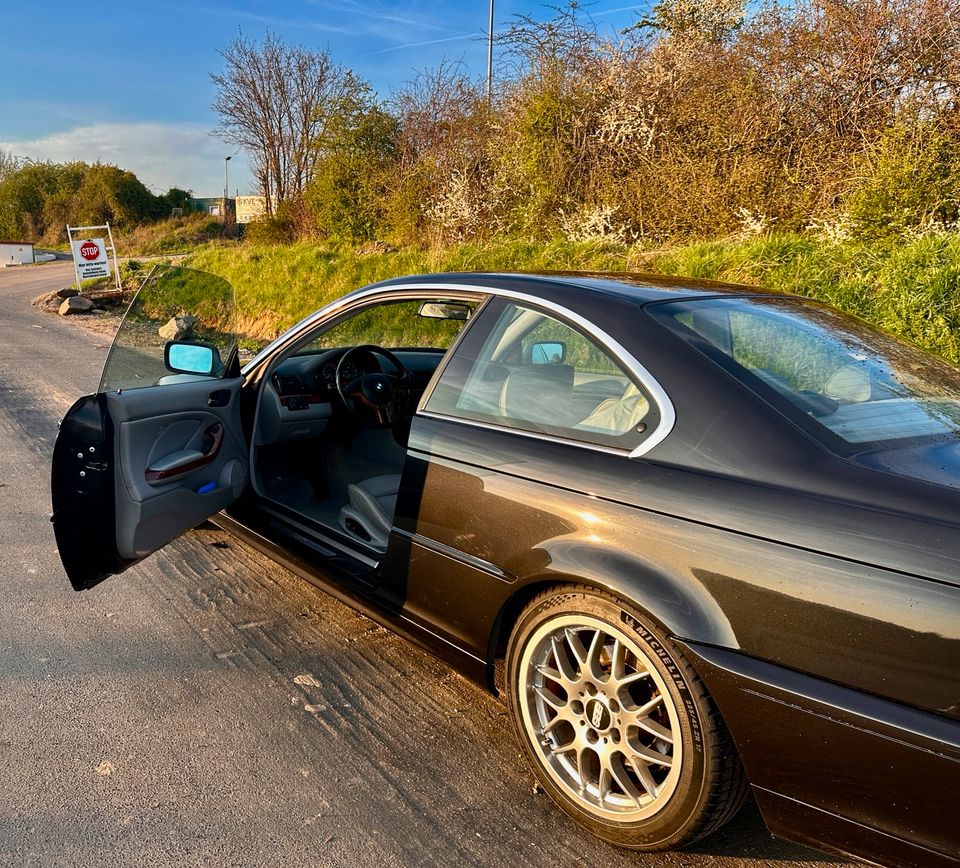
672	824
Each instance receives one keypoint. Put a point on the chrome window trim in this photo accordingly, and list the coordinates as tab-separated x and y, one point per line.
401	291
357	298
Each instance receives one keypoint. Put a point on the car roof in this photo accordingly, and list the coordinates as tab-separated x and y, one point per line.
642	288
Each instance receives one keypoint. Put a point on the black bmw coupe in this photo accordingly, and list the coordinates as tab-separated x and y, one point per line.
704	539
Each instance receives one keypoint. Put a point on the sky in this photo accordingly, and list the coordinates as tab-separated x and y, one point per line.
128	83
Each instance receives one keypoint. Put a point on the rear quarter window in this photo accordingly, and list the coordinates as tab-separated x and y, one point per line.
854	388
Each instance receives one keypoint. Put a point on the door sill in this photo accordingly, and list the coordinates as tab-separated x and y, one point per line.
318	542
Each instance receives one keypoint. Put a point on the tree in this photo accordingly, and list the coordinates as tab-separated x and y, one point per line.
275	101
109	194
444	128
38	199
175	197
353	156
696	20
8	162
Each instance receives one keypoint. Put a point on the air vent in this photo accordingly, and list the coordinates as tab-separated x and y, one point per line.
288	384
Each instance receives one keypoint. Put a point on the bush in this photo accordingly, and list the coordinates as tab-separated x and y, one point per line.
909	181
281	227
345	198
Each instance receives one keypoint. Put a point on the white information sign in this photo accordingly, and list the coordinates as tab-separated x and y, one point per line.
250	208
90	258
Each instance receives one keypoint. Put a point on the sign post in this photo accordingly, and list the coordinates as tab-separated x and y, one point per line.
90	254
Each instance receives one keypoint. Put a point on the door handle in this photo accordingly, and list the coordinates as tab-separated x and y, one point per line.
220	398
185	460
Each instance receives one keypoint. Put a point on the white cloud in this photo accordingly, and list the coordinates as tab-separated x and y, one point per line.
162	155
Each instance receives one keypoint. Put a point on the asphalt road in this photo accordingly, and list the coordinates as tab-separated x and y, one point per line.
209	708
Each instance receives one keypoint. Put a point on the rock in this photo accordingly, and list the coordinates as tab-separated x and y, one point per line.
76	304
178	328
67	292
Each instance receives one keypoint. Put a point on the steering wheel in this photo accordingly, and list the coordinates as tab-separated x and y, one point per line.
377	399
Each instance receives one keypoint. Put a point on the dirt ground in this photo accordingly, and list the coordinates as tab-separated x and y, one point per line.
105	319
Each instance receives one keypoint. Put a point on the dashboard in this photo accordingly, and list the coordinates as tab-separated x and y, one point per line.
301	395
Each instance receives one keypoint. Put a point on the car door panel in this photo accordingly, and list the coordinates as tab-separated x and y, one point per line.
161	446
177	466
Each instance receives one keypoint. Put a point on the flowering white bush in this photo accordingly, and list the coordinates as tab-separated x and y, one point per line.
595	223
752	223
834	228
457	210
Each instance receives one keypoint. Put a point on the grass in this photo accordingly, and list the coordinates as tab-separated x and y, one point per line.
170	236
908	288
277	285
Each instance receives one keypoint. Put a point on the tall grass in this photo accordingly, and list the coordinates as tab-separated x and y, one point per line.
909	288
277	285
169	236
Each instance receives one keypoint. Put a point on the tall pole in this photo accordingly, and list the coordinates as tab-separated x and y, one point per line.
490	58
226	187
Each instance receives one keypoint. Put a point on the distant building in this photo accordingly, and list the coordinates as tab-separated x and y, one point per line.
16	253
250	208
215	206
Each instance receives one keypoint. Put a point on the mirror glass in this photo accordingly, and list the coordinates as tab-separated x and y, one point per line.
189	358
445	310
547	352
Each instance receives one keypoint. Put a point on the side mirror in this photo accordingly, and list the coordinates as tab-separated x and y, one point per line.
184	358
444	310
546	353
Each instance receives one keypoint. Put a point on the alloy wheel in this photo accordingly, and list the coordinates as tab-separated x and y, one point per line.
600	718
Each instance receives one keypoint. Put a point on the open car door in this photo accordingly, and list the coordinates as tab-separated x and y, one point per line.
160	447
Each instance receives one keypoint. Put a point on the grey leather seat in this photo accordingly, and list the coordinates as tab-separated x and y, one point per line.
369	514
617	415
538	393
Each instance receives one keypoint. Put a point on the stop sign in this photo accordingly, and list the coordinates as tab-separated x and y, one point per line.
89	250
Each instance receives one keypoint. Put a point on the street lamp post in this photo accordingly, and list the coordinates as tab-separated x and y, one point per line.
490	57
226	185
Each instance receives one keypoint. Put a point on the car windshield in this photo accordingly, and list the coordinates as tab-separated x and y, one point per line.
394	325
860	388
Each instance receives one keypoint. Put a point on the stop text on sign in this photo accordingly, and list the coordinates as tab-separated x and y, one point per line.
89	250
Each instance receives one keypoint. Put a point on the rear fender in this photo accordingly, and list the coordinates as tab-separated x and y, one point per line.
680	604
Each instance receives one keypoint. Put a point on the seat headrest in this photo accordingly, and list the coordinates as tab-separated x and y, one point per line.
849	383
537	393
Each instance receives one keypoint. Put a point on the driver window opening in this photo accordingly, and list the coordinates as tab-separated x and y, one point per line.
334	415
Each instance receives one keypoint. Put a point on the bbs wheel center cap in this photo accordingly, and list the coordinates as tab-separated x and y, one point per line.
598	715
